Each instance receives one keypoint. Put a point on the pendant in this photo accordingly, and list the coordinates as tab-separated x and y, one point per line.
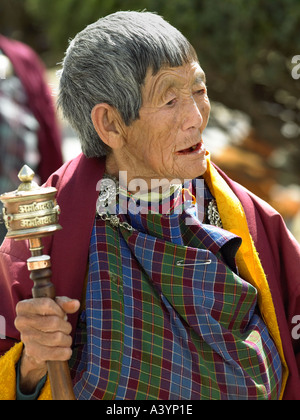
107	199
213	214
106	203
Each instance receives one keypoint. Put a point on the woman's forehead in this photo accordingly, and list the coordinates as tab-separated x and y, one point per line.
168	77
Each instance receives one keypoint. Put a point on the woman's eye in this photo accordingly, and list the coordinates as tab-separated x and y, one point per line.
171	102
200	92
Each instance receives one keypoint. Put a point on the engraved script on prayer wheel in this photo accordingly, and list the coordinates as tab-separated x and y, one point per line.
30	211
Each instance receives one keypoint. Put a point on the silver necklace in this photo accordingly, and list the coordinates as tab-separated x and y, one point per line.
213	214
106	205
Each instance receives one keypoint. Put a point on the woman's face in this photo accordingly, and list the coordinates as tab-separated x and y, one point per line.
166	141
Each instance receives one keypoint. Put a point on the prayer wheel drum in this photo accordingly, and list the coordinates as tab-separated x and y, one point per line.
30	211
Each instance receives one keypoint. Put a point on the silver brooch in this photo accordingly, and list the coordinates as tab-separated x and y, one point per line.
107	201
213	214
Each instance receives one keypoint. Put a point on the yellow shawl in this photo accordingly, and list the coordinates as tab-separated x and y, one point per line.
234	220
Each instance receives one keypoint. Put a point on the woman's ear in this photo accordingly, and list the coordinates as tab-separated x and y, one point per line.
107	124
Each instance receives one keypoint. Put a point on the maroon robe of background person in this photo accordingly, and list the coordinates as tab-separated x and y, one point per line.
30	70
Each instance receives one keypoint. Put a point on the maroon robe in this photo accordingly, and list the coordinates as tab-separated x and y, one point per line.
77	195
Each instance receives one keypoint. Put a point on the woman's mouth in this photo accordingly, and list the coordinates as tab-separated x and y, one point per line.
193	149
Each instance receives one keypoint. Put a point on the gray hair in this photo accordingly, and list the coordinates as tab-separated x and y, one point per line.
108	61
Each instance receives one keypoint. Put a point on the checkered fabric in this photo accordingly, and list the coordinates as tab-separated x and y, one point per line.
167	319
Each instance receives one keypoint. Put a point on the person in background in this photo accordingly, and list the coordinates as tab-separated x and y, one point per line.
29	133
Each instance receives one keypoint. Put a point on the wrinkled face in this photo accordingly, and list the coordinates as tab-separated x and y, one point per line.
166	141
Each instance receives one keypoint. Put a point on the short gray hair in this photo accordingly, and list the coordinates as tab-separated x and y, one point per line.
108	61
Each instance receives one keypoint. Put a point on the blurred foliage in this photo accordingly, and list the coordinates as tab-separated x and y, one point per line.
245	48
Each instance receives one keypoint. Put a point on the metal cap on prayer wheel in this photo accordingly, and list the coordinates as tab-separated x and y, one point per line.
30	211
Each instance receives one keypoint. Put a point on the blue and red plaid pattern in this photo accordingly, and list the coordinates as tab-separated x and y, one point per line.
157	329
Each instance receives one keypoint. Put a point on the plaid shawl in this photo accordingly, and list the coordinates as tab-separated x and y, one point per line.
156	329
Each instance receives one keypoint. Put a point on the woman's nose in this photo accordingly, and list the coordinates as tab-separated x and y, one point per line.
192	115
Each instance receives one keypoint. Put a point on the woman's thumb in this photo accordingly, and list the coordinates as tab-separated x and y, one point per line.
69	306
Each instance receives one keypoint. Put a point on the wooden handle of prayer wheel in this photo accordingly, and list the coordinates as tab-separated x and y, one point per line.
59	373
61	382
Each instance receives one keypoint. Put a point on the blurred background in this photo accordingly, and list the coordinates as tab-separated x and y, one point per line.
250	51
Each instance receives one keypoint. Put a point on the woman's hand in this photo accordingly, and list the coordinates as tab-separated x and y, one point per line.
46	335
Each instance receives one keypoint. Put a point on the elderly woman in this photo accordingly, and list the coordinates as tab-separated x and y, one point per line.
195	300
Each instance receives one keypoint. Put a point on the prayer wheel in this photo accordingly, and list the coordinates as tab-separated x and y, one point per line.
31	213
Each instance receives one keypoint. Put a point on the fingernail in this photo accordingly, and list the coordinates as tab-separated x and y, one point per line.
65	298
